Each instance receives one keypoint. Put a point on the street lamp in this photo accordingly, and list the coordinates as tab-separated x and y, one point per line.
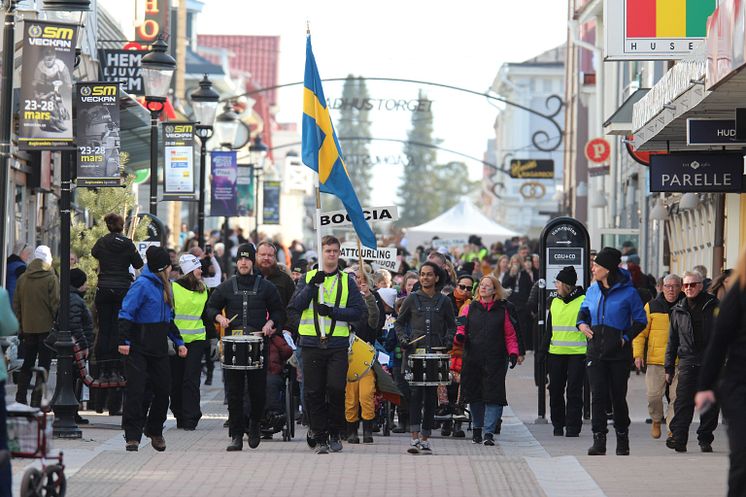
157	70
64	401
205	105
257	154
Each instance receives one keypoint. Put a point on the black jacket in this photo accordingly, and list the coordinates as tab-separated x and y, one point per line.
267	299
115	253
284	284
81	323
369	327
683	342
520	285
727	339
411	321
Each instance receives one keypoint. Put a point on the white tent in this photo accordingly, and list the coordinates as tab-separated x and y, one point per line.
460	221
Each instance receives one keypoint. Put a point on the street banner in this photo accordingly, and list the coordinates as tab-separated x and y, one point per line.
97	134
271	207
245	189
337	219
224	167
384	257
532	168
178	161
123	67
46	86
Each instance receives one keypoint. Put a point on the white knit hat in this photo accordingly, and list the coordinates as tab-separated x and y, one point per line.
189	263
42	252
388	295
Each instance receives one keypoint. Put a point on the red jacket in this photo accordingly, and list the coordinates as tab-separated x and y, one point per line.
279	352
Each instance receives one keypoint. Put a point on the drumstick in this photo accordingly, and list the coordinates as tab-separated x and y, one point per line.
417	339
231	319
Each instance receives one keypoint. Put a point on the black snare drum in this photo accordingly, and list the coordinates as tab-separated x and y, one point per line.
242	352
428	370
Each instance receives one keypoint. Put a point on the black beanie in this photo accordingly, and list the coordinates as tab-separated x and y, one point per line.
158	259
246	250
568	276
77	278
609	257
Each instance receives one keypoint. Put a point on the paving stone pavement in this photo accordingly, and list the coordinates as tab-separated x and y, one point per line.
528	461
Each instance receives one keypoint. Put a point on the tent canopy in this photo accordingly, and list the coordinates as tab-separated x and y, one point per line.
460	221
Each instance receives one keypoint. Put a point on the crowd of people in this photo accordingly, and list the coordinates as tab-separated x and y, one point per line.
448	326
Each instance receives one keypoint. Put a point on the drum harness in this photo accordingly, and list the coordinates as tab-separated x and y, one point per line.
323	339
429	315
245	298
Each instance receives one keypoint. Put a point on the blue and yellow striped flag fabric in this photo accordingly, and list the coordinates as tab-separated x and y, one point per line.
322	152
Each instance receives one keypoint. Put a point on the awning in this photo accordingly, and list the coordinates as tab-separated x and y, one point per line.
620	122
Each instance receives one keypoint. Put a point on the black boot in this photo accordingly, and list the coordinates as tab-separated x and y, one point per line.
255	434
114	402
445	430
458	432
476	437
236	444
352	432
208	377
599	445
622	443
24	378
367	432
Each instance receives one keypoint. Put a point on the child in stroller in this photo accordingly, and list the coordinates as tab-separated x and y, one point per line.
278	376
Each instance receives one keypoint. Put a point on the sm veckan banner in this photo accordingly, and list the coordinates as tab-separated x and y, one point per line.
224	167
271	208
178	161
97	134
46	86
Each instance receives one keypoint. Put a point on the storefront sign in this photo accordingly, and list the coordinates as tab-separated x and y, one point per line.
711	132
46	121
655	29
385	257
721	173
224	169
245	190
532	168
178	161
336	219
97	134
380	104
156	22
271	207
123	67
598	170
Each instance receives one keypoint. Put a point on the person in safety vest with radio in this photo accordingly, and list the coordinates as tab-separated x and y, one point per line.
566	347
252	307
190	298
326	300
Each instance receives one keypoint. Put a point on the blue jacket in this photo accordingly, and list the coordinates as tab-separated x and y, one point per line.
145	319
615	316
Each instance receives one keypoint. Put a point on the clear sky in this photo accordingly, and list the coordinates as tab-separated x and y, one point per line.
455	43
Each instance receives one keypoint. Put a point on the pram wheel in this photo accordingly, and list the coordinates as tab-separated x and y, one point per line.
32	484
56	483
386	424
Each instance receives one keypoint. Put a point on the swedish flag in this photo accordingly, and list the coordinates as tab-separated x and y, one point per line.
322	153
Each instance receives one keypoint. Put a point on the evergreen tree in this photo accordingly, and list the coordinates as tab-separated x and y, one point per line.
98	203
354	122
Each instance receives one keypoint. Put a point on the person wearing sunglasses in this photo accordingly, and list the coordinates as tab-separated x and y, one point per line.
692	322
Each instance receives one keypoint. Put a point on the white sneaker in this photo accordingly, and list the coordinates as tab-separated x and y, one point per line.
425	447
414	446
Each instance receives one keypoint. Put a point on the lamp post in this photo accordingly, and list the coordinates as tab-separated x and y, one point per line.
64	401
257	154
157	70
226	129
205	105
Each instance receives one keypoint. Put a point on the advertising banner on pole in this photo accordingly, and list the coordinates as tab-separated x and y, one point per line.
46	121
271	207
224	168
97	134
245	189
178	161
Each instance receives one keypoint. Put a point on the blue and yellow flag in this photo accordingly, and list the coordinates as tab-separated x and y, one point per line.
322	153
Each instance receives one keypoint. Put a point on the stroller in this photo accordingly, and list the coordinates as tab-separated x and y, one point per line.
282	421
30	437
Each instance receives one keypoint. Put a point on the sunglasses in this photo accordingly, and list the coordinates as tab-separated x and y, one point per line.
464	287
691	285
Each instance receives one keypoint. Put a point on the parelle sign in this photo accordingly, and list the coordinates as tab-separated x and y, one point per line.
721	173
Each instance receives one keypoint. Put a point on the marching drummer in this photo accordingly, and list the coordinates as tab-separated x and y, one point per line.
252	305
426	320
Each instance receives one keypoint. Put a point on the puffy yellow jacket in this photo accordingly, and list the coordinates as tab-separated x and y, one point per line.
655	334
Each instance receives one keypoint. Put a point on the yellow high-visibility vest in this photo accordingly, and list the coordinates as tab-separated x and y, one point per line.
188	308
566	338
341	328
